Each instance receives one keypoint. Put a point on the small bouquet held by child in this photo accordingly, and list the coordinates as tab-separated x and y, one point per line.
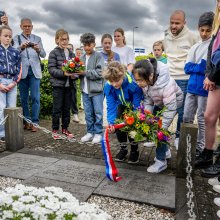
141	125
73	66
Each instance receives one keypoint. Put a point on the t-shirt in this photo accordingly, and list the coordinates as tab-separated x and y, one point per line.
116	57
85	88
126	54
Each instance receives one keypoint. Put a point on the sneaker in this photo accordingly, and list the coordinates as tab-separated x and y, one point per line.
168	155
176	143
97	139
218	213
216	188
217	201
213	181
67	133
55	135
2	139
149	144
27	126
87	137
75	118
134	157
121	155
157	167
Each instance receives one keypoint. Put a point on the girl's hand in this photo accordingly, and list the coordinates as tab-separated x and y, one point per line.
81	73
67	74
111	129
3	88
11	86
209	85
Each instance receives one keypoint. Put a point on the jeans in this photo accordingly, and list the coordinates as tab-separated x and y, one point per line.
195	103
161	151
33	84
183	86
93	107
123	136
74	98
61	107
7	100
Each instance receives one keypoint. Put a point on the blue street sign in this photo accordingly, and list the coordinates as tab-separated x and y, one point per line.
139	50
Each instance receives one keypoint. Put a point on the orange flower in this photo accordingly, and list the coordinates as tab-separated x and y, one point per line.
72	65
81	63
160	123
129	120
147	112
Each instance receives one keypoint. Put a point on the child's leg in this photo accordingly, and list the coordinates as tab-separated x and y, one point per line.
97	102
67	99
190	107
58	93
89	113
202	101
2	106
161	151
11	97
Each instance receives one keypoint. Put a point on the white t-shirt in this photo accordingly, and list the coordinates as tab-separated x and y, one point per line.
126	54
85	88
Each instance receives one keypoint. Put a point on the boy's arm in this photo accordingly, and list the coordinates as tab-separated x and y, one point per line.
191	68
18	69
52	66
138	97
96	73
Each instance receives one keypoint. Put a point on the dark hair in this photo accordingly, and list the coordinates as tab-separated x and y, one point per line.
206	19
87	38
106	36
120	30
144	68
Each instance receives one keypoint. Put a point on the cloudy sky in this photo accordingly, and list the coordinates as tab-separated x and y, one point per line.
102	16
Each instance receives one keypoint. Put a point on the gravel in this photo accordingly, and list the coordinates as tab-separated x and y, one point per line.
8	182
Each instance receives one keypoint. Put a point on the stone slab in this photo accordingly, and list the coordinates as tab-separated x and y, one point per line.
74	172
158	190
82	193
23	166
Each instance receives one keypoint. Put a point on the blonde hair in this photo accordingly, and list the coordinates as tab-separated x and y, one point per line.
158	43
216	22
114	72
120	30
5	27
60	33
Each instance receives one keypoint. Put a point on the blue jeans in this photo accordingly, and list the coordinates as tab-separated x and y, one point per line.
93	107
161	151
33	84
7	100
183	86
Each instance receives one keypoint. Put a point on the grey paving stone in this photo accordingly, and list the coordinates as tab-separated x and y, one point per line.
82	193
23	166
75	172
158	190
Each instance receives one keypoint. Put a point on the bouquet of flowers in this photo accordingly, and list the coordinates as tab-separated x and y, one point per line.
73	65
141	125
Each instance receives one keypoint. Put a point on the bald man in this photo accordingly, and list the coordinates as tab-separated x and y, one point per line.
177	42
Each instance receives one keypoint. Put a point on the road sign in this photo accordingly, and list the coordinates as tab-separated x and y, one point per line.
139	50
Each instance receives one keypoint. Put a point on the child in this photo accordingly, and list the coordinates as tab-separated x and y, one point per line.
61	83
159	90
196	97
119	90
92	84
10	66
78	52
126	53
107	52
158	51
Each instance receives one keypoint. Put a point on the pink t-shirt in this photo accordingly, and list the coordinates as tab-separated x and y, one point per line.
216	42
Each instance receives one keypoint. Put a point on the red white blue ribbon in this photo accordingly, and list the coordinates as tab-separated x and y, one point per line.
111	170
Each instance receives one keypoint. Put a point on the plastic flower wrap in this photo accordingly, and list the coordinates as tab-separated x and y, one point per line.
142	125
73	66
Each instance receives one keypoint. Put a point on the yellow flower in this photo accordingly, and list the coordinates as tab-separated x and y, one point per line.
145	128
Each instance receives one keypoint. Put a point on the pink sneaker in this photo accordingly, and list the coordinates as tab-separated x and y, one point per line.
55	135
67	133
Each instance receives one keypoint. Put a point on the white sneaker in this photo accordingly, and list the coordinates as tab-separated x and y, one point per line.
87	137
176	143
97	139
149	144
218	213
157	167
168	155
75	118
216	188
217	201
213	181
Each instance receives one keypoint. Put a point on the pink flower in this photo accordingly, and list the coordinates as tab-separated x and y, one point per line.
142	117
160	135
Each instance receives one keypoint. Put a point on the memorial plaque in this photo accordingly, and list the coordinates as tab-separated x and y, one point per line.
23	166
154	189
74	172
82	193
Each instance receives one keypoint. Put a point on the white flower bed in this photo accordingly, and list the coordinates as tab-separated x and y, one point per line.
30	203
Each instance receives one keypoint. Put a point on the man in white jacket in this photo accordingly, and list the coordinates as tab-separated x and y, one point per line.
177	42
